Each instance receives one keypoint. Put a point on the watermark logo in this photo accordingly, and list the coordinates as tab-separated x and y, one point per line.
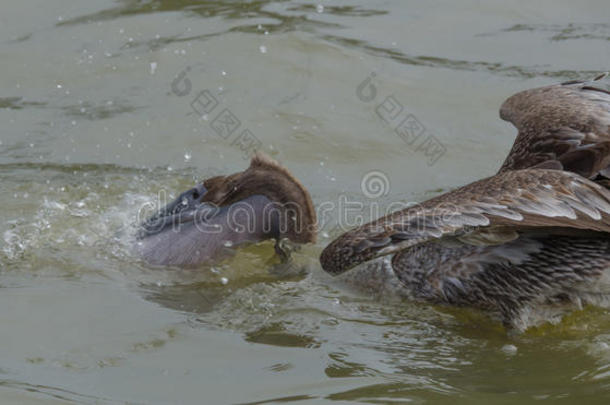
225	124
375	184
181	85
408	128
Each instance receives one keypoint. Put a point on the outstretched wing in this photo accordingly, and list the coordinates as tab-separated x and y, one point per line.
568	123
491	211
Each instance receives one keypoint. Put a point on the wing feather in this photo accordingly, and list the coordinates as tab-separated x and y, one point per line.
507	202
568	123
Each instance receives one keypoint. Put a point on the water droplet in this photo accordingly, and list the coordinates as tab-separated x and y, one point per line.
228	243
187	157
263	49
320	8
509	349
153	67
224	280
223	73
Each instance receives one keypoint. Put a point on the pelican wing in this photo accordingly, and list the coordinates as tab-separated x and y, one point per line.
568	123
491	211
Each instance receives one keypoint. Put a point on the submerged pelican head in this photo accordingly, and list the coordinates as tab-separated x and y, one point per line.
263	202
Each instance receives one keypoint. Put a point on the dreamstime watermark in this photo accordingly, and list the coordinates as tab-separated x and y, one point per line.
265	217
225	123
404	124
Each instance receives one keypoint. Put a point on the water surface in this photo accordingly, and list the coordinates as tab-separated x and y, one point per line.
95	127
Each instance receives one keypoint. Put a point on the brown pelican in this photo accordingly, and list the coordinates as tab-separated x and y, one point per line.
263	202
534	236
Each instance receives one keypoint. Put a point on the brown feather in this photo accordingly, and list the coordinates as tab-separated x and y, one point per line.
513	200
267	177
567	122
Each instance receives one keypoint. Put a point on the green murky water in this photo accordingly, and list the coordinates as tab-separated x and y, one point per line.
93	130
